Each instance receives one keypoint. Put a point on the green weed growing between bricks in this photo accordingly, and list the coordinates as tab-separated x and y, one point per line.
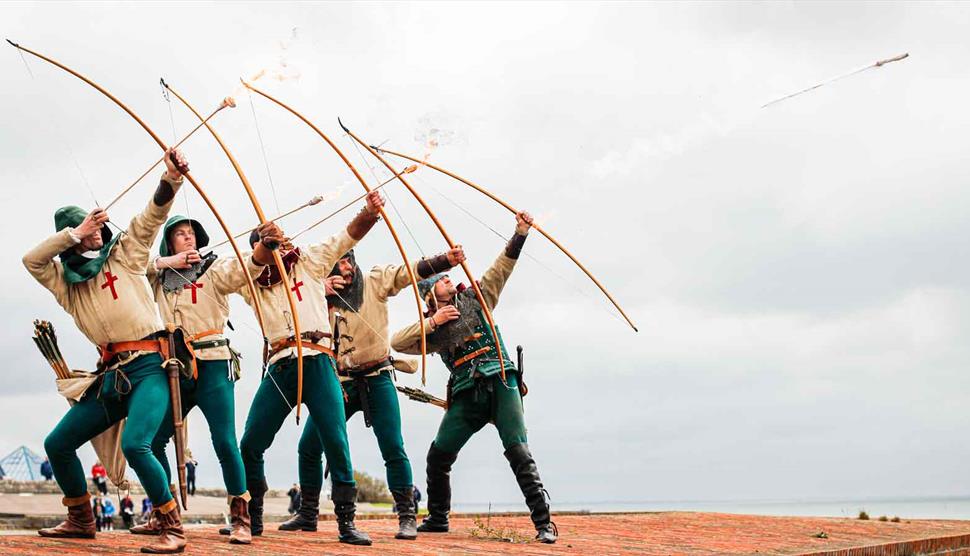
484	530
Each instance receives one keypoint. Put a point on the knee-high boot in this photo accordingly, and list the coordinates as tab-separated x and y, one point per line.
439	490
527	475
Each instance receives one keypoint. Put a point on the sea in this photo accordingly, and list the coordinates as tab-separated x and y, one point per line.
942	507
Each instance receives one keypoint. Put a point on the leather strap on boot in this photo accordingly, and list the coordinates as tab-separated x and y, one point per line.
79	523
241	526
150	527
308	515
171	538
407	526
439	490
345	507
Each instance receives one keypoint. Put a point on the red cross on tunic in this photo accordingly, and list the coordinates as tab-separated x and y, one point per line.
110	283
193	286
296	287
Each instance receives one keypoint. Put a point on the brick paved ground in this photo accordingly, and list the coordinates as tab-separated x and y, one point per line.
50	504
660	534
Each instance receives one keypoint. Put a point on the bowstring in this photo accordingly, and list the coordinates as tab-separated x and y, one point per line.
574	287
245	324
175	138
262	147
374	330
269	174
58	132
252	106
400	218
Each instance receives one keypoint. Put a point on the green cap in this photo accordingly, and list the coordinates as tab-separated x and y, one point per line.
201	238
72	216
78	268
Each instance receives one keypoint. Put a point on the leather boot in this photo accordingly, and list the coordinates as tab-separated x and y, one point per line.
256	492
407	526
344	499
241	532
79	523
150	527
439	490
171	537
308	515
527	474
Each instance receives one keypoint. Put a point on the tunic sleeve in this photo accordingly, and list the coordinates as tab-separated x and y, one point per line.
40	263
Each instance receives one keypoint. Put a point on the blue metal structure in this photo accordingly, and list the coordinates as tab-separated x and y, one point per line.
21	464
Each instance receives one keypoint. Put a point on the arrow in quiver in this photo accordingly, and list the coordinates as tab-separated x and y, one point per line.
420	395
46	341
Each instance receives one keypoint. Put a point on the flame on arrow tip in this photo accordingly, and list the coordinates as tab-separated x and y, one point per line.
229	101
333	195
429	146
282	68
410	169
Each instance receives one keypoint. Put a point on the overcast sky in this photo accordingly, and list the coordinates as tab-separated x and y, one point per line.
798	273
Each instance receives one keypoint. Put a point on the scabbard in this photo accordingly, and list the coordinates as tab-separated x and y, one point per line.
175	392
362	395
523	389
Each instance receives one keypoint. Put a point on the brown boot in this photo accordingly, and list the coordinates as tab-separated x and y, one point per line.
239	519
171	538
150	527
79	523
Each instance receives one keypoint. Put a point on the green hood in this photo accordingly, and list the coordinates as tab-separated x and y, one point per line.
201	238
77	267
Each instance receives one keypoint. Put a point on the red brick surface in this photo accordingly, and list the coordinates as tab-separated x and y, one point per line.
660	534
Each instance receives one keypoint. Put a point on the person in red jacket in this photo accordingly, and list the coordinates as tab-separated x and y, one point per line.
100	477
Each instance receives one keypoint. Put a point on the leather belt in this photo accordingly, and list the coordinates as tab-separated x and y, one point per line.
466	358
308	341
365	368
209	344
193	340
118	350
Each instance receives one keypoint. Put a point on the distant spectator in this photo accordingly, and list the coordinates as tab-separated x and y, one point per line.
46	470
100	477
146	509
190	465
128	511
417	499
108	514
295	499
98	512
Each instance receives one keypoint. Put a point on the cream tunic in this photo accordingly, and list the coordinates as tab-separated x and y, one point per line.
116	305
307	282
364	336
204	305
